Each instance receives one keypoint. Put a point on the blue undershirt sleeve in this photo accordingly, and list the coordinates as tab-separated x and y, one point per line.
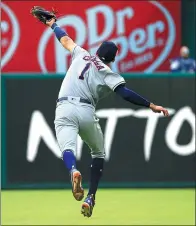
131	96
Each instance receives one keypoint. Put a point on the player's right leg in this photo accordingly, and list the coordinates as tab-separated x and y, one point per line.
90	132
66	128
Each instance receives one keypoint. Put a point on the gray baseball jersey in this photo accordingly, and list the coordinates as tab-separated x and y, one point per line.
87	78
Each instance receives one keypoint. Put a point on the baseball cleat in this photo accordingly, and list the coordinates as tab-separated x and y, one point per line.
87	206
77	190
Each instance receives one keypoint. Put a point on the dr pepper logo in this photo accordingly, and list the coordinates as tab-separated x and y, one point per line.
10	33
144	32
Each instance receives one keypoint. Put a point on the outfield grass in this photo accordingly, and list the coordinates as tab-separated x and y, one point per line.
113	207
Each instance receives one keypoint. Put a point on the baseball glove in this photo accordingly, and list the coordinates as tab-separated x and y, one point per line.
43	15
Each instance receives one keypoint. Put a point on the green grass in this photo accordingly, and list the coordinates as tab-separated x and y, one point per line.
113	207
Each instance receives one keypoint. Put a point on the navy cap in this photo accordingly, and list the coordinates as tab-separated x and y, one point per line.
107	51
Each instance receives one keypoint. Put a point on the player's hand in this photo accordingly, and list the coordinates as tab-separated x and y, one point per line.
50	23
159	109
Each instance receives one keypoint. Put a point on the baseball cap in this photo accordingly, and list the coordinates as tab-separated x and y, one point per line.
107	51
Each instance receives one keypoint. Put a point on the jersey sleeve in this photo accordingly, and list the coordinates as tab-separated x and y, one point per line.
113	80
78	51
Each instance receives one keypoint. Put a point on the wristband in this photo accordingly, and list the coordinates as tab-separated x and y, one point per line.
58	31
54	25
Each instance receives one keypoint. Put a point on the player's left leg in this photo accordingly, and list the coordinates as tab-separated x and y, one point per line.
92	135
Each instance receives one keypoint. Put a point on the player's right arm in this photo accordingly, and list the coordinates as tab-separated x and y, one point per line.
62	36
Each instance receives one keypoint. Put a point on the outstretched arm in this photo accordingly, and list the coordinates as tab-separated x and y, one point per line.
135	98
62	36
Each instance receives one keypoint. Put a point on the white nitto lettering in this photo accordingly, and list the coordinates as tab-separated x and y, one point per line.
40	130
15	37
184	114
141	41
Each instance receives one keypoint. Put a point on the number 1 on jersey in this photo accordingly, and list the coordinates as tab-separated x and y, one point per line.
84	71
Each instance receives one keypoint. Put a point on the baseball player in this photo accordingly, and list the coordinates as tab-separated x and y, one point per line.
88	79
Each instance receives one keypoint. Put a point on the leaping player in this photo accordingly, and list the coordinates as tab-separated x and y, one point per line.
88	79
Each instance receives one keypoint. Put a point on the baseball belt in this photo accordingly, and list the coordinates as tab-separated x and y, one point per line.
72	98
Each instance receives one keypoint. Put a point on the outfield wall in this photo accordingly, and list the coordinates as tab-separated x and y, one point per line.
142	149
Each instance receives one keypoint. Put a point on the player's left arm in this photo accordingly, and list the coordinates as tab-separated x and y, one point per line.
62	36
117	83
135	98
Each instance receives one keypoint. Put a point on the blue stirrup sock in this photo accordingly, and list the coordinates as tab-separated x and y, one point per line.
69	159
